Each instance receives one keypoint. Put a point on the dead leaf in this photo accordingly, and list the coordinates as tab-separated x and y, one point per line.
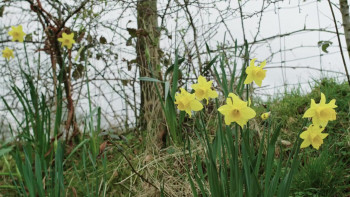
148	158
286	143
74	192
103	40
103	146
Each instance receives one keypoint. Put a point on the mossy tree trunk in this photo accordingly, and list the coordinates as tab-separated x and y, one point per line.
344	9
147	49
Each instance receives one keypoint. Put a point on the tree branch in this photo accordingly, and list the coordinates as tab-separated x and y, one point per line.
340	47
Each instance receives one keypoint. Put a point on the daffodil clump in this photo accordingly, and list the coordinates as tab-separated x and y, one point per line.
236	110
320	114
313	136
7	53
255	73
67	40
188	102
203	89
17	33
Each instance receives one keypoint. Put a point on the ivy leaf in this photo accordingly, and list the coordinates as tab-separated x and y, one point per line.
129	42
81	36
130	63
78	72
132	32
2	9
125	82
103	40
324	45
98	56
28	37
89	38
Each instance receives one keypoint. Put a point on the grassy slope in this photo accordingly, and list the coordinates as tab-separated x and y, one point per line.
325	172
322	173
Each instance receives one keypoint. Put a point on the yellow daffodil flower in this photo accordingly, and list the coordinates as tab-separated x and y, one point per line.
203	89
265	116
67	40
186	101
313	136
321	113
17	33
7	53
236	110
255	73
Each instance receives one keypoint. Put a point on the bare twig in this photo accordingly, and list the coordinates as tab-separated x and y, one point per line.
72	14
195	36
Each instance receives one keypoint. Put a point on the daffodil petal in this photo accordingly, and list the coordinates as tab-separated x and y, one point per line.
194	86
229	100
248	80
309	113
313	103
305	144
258	82
332	103
241	122
225	109
188	111
213	94
235	98
323	99
316	145
323	135
201	79
196	105
318	121
248	113
252	62
228	120
304	135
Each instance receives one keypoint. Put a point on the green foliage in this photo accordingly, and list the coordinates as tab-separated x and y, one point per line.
332	161
234	164
168	105
320	176
32	181
39	154
231	161
324	45
37	150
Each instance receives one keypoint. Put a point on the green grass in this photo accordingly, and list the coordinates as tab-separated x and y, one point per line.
325	172
321	175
